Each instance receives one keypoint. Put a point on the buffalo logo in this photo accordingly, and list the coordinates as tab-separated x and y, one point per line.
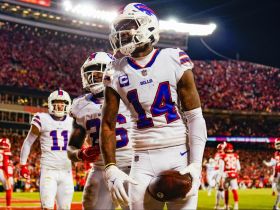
145	9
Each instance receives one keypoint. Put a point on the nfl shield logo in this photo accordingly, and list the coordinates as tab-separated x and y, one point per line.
144	72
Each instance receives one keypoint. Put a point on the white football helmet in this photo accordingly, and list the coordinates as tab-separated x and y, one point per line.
95	63
147	31
60	95
5	143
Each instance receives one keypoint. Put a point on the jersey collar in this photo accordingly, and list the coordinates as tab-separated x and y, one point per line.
94	99
136	66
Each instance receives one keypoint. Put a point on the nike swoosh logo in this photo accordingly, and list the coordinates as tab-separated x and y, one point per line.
114	181
183	153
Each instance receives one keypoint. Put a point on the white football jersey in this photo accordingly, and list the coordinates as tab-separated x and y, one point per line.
87	112
54	136
150	92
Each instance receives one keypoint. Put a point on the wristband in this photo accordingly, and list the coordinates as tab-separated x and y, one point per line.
109	164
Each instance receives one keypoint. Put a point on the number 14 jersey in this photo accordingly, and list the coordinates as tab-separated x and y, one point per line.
53	137
150	92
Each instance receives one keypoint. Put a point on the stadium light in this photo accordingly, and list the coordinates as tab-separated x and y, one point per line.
191	29
86	10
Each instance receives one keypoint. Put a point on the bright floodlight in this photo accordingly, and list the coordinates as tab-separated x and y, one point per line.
191	29
89	11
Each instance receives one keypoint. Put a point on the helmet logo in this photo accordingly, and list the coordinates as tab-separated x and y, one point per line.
145	9
60	92
92	56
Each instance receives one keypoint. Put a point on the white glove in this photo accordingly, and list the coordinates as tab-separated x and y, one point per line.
115	179
195	171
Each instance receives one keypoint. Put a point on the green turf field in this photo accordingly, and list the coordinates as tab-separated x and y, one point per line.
248	199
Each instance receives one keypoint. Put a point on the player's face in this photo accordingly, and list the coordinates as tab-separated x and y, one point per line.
59	105
94	74
127	30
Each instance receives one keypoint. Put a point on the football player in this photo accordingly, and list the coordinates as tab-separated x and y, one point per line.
149	81
86	111
218	157
211	174
275	162
6	169
53	130
231	170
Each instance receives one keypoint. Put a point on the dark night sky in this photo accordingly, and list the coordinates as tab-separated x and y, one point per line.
250	28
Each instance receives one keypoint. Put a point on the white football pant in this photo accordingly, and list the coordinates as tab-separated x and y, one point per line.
56	185
148	164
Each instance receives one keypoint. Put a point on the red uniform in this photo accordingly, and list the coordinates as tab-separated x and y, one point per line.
231	165
231	168
277	164
6	168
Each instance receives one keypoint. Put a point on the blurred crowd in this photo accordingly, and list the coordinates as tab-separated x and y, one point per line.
238	85
246	126
45	60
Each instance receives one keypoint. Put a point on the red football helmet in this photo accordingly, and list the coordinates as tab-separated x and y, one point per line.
5	143
277	144
221	146
229	148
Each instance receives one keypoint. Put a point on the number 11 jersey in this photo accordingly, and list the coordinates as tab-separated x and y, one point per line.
54	135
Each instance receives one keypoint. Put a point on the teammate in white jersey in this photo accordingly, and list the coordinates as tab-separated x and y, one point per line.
52	130
212	171
150	82
86	111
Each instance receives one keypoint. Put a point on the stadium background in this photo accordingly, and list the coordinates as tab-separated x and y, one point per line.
43	46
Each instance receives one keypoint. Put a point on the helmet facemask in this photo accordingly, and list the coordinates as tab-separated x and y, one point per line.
59	107
59	103
131	33
92	78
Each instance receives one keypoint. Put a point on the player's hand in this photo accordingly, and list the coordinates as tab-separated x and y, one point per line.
265	163
24	172
115	179
89	154
195	171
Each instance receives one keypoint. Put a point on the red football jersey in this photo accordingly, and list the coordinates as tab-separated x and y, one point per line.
231	164
4	158
219	156
277	159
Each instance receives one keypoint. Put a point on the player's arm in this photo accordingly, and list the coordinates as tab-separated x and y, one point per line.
272	162
76	151
191	106
31	137
108	125
238	166
76	141
114	177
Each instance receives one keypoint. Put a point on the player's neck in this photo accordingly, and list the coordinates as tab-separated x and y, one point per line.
58	118
142	51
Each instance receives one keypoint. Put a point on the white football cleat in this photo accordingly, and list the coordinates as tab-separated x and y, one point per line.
235	207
